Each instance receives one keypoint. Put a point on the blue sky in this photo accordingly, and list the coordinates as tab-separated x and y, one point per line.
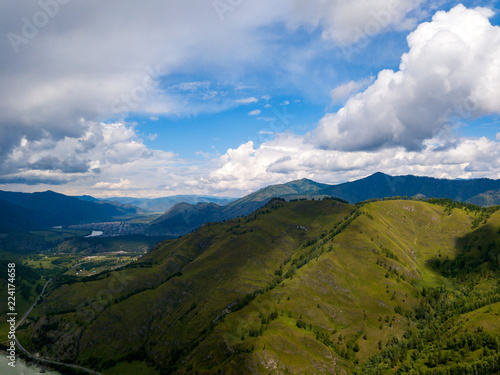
121	98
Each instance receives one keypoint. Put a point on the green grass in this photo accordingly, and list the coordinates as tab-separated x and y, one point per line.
55	236
130	368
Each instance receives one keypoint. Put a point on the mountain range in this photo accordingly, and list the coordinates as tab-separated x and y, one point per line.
183	218
185	213
25	212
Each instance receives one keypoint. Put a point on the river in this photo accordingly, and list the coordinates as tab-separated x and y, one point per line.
94	233
21	368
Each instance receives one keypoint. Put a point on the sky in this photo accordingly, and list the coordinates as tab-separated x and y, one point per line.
223	97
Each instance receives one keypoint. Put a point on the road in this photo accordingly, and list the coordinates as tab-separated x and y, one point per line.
41	360
34	304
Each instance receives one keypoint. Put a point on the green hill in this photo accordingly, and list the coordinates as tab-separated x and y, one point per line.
307	287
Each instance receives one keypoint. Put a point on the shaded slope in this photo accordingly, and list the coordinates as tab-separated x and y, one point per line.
17	218
42	210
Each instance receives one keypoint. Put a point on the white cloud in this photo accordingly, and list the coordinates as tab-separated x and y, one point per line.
343	91
102	148
347	22
124	184
399	124
451	69
255	112
247	100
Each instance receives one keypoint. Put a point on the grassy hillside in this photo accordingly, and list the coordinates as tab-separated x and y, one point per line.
307	287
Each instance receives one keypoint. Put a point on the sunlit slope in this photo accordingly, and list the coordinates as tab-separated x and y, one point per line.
364	274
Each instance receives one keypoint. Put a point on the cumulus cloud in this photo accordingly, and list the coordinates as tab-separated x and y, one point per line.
255	112
342	92
123	184
451	69
101	148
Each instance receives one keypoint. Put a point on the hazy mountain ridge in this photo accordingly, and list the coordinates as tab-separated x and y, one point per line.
43	210
165	203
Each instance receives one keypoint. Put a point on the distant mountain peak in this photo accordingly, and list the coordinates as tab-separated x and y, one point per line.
380	174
